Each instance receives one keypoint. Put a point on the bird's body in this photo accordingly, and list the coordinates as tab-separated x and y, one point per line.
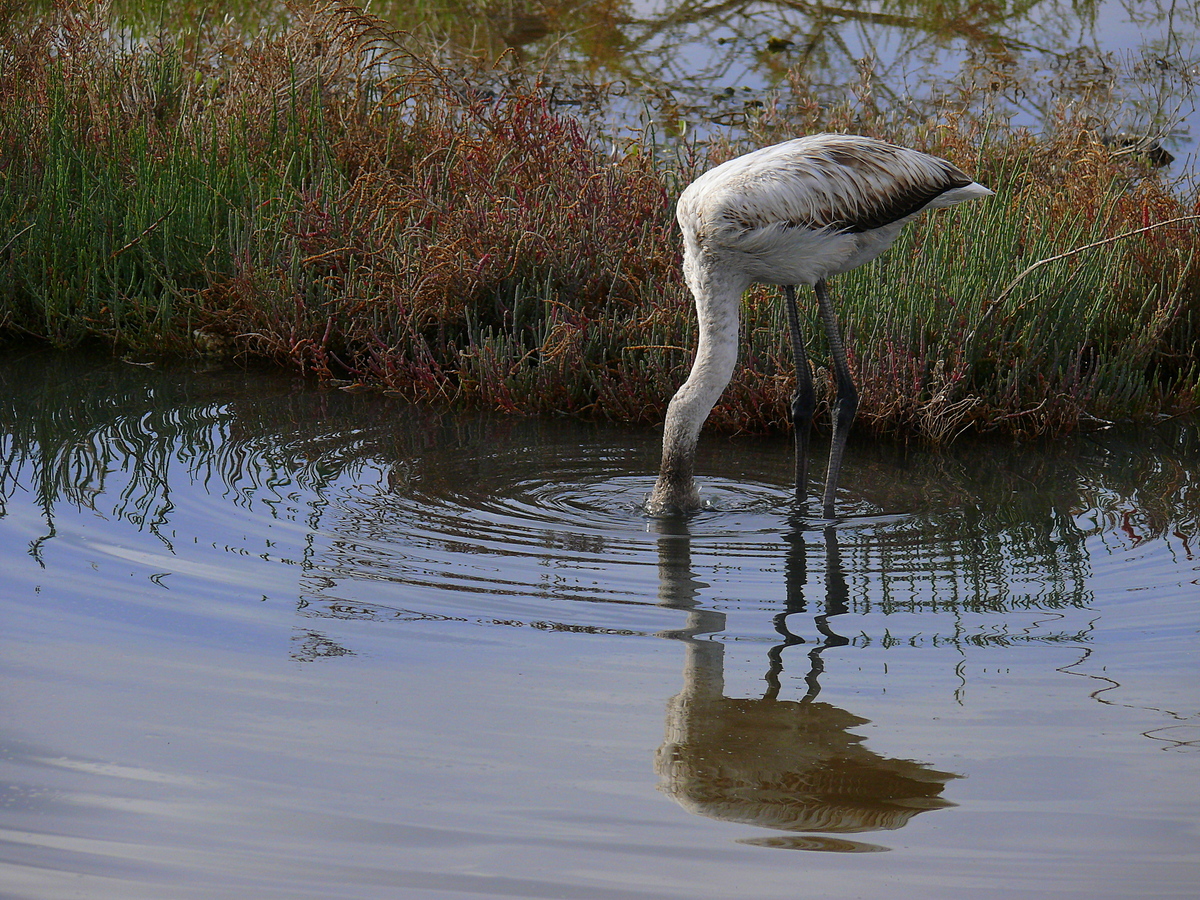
794	213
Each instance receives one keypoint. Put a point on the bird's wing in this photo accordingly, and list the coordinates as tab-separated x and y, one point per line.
849	187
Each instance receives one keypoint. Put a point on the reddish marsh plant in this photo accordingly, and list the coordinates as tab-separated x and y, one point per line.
333	196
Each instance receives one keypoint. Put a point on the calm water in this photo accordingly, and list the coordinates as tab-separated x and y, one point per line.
698	67
261	640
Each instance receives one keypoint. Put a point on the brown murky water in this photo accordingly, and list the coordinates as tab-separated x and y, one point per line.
261	640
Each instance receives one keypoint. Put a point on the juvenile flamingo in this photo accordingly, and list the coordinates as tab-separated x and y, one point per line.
794	213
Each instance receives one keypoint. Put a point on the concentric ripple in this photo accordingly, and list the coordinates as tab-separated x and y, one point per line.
527	536
386	511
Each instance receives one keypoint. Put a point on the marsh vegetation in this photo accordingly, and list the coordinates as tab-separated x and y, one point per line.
335	195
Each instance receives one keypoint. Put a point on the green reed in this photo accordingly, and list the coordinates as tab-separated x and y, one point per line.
358	208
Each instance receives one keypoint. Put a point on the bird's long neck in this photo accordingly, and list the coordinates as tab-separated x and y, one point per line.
718	296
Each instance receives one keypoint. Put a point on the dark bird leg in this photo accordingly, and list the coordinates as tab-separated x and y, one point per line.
804	401
846	403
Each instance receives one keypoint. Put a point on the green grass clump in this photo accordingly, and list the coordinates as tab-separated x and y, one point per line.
335	198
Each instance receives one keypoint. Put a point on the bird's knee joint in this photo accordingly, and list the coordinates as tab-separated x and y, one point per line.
804	405
844	409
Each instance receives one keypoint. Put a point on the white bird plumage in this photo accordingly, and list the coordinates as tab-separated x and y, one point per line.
794	213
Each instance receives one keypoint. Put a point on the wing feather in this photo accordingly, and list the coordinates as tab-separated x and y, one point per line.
837	183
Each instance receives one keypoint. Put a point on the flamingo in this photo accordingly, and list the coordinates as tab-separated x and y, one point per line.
794	213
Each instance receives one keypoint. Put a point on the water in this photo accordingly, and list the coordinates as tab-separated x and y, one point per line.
265	640
719	62
705	69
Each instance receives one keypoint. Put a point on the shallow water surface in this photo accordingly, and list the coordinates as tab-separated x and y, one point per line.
263	640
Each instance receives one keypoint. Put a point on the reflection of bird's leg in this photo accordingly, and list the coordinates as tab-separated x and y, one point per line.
847	397
804	401
795	570
837	603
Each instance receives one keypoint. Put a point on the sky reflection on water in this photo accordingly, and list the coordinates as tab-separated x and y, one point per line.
705	68
267	640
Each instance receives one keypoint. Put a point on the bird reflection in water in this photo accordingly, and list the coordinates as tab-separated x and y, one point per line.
790	765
